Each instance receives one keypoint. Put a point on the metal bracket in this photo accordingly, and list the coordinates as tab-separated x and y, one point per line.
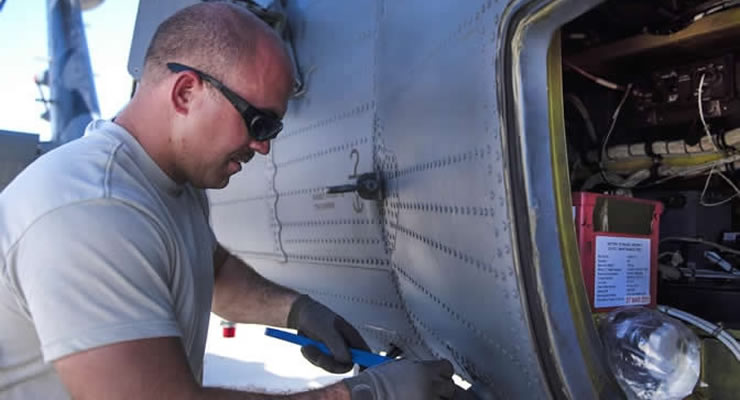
369	187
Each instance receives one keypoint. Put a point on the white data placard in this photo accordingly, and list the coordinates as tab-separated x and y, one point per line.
622	271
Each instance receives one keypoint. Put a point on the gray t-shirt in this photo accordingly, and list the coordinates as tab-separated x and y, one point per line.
98	246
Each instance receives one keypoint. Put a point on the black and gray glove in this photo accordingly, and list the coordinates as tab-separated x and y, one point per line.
404	380
316	321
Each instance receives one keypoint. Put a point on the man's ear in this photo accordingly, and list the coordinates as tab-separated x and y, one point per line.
186	86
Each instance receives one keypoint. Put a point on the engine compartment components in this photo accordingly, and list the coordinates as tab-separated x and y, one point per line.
671	94
651	94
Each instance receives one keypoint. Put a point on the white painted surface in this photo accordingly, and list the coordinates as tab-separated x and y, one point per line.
255	362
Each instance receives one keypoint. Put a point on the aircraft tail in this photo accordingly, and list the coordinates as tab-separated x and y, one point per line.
74	102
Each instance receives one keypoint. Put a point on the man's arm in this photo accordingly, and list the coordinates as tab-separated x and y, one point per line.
242	295
154	369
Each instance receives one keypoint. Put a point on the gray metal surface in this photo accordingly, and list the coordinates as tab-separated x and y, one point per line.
447	264
438	114
17	150
407	89
246	212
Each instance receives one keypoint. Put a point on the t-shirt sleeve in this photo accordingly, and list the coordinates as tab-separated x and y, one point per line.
93	274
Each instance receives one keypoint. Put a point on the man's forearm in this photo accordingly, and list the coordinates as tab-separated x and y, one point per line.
242	295
337	391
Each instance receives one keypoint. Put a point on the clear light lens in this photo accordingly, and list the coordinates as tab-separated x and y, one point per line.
653	356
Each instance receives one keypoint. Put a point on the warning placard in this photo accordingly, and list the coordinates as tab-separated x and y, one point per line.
622	275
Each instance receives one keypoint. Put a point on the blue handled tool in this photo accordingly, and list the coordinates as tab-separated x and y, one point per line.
360	357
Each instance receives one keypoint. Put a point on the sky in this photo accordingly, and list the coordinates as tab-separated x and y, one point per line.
109	29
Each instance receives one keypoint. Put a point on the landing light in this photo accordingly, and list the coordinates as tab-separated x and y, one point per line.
653	356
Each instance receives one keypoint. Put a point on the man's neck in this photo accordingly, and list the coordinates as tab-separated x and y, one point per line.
153	136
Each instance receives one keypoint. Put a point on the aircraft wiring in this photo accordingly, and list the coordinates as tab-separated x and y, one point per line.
615	116
708	132
718	331
601	81
583	112
701	111
721	202
686	19
672	173
717	246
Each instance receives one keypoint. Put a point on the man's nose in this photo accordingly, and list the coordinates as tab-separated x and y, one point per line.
260	147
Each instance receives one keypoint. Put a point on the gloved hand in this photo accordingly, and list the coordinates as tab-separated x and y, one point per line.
404	380
316	321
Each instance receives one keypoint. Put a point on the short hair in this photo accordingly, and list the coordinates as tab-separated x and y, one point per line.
208	36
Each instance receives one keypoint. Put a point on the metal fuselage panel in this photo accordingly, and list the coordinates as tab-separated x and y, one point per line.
406	89
17	151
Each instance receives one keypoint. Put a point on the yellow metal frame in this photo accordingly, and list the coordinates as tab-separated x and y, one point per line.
564	210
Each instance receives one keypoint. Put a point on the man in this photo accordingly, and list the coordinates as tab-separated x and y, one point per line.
109	269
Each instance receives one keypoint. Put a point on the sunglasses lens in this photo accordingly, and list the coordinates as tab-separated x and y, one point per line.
264	128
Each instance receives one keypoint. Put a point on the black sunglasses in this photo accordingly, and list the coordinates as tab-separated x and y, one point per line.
262	125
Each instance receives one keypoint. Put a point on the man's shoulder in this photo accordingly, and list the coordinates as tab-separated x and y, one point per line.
110	217
66	220
94	168
103	163
73	171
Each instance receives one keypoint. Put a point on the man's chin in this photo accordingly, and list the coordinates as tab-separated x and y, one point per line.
222	184
212	184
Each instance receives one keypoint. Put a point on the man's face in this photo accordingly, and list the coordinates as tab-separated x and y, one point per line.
217	141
